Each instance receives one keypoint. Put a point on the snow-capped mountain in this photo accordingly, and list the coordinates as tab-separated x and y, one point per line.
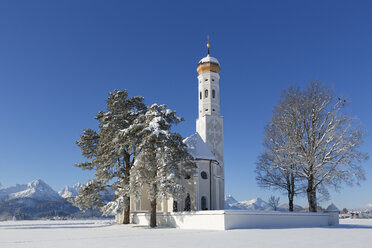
36	189
367	208
285	207
254	204
229	201
68	191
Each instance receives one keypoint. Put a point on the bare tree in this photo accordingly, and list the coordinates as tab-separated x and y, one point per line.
320	140
274	202
276	168
327	143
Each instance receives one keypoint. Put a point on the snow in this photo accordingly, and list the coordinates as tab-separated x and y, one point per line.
209	59
254	204
68	191
36	189
197	148
353	233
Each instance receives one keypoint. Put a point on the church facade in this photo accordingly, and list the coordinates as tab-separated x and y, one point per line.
205	189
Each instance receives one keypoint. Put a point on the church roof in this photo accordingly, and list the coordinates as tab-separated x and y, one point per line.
197	148
209	59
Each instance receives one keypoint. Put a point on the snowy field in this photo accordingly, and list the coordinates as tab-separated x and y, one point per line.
107	234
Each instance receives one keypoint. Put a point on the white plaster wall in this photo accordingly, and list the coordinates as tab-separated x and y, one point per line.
209	220
252	219
236	219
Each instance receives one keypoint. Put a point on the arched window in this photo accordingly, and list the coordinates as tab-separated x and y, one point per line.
200	95
206	93
175	206
187	203
213	93
204	203
204	175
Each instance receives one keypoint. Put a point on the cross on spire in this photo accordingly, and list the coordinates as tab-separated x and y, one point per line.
208	45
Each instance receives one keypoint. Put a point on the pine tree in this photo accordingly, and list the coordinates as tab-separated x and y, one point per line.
111	154
162	158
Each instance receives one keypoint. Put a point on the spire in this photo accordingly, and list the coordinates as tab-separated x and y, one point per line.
208	45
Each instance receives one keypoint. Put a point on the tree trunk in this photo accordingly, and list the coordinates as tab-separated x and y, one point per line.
153	213
291	193
311	196
126	210
290	201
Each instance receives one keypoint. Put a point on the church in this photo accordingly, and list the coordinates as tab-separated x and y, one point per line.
205	189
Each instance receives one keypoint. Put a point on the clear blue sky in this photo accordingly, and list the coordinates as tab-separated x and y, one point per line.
60	59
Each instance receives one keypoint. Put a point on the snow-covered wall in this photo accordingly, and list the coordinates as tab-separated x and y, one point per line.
238	219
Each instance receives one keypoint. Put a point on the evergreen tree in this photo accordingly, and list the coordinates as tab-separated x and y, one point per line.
162	159
111	154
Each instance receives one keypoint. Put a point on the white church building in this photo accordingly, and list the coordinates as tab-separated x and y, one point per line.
205	189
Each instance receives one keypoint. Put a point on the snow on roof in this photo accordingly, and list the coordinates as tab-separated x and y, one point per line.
209	59
332	207
197	148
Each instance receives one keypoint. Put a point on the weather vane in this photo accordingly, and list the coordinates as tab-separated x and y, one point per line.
208	43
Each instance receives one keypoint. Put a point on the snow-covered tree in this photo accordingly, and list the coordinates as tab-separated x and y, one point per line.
327	143
276	166
323	144
162	159
274	202
111	154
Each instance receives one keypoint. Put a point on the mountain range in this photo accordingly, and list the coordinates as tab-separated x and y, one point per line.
37	200
255	204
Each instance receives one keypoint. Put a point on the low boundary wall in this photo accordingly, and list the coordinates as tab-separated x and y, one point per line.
237	219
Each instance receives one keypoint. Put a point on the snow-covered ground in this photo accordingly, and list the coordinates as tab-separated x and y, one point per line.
105	234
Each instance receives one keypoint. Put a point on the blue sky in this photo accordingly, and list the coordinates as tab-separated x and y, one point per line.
60	59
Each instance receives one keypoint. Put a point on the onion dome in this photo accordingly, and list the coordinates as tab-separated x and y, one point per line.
208	63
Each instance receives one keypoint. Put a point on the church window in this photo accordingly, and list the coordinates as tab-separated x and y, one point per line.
175	206
187	203
204	203
206	93
213	93
204	175
200	95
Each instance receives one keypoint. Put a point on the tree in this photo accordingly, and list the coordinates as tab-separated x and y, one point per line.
111	153
276	168
162	159
327	143
324	141
274	202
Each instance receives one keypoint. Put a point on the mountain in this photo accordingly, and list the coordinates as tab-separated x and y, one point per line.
285	207
254	204
367	208
229	201
36	189
68	192
37	200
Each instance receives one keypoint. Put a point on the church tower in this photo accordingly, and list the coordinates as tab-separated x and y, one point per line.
209	125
